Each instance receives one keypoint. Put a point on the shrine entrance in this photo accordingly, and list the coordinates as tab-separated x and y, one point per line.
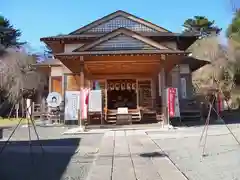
121	93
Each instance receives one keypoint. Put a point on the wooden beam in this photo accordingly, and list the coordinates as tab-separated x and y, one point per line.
120	76
123	61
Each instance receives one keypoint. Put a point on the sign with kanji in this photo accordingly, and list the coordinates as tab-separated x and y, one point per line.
173	102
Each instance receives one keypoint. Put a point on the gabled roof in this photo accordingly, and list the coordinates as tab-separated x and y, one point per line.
127	33
117	14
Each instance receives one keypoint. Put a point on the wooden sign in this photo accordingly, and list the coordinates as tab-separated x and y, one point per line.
122	110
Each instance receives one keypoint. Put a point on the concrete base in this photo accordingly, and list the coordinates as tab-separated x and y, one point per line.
76	130
1	133
220	121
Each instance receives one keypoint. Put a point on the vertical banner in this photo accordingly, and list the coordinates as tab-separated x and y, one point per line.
220	103
173	102
183	88
84	96
71	105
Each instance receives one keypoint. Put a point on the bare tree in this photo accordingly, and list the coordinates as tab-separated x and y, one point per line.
17	76
222	67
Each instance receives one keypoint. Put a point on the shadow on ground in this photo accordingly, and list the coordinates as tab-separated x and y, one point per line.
50	165
153	154
229	117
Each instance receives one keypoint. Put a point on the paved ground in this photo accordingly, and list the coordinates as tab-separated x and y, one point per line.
221	159
150	154
65	157
132	155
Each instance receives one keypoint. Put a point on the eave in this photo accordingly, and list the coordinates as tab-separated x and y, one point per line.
194	63
98	35
121	53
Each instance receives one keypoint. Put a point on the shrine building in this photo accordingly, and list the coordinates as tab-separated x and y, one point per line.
131	59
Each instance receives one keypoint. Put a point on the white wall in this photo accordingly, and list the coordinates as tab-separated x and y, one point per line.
71	47
59	71
56	71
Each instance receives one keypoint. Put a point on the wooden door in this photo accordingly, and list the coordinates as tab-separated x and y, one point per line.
144	93
56	84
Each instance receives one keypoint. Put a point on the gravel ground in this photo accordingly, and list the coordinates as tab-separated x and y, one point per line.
65	156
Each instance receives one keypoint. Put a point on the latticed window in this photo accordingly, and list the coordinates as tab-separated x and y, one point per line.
123	42
119	22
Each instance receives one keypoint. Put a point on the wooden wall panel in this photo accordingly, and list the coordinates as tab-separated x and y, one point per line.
56	84
72	82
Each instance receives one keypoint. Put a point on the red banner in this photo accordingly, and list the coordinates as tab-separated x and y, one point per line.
220	103
171	101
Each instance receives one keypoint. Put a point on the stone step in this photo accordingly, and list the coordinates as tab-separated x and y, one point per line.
190	115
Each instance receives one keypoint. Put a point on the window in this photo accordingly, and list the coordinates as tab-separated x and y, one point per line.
56	84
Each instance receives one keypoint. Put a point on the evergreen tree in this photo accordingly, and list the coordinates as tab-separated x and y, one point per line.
8	35
201	25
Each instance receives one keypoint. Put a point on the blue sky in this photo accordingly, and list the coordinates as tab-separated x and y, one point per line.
42	18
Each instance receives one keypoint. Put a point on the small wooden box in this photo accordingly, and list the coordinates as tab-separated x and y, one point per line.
124	119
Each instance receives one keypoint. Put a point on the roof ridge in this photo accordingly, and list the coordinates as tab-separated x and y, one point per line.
116	14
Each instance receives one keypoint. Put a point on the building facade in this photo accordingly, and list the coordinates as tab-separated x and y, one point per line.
132	60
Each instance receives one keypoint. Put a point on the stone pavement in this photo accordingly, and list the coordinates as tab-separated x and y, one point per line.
65	157
132	155
140	154
221	159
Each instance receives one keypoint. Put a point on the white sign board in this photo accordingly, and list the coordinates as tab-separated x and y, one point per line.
95	101
184	69
72	103
122	110
176	104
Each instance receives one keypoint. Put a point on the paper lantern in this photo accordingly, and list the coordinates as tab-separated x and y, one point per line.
133	86
117	86
111	86
129	86
123	86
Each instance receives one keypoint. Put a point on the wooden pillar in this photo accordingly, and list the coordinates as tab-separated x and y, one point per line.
163	86
137	93
153	92
81	76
